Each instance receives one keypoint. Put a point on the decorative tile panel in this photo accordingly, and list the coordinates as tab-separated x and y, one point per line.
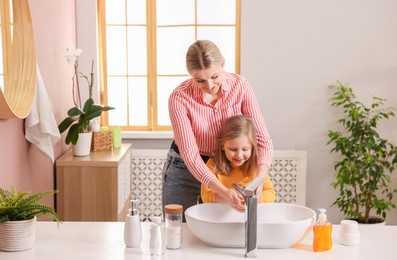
288	175
146	181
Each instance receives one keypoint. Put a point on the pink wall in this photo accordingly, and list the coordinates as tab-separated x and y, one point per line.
54	28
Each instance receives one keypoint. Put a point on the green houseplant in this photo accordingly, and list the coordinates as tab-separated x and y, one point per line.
78	120
18	214
15	206
79	117
363	174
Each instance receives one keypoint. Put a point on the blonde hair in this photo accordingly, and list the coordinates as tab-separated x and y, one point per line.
203	54
234	127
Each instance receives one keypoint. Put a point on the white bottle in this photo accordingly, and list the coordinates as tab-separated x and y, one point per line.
132	227
157	237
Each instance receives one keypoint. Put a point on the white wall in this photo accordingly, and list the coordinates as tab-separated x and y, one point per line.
87	38
293	50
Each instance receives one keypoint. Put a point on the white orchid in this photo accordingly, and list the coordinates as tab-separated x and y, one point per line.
71	54
79	117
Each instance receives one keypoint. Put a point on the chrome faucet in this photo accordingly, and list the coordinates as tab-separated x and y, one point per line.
251	214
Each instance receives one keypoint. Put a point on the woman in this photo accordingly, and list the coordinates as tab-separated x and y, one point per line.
198	107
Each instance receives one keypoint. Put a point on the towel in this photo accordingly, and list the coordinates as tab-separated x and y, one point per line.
41	128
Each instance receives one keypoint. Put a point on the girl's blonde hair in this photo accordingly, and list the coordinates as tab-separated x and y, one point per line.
203	54
234	127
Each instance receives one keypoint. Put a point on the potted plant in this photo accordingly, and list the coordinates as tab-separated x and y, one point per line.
79	117
18	214
363	174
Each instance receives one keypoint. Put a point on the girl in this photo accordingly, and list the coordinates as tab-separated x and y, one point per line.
235	160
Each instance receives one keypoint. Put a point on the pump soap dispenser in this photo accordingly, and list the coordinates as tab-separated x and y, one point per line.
322	233
132	227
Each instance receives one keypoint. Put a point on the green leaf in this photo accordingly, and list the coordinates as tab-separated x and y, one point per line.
65	124
88	104
73	134
75	111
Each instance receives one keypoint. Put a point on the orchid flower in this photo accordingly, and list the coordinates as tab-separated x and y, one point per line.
71	55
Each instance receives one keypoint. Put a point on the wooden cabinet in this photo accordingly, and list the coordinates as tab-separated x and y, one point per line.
94	187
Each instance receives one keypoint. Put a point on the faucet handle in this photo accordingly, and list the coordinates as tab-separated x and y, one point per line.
250	190
239	187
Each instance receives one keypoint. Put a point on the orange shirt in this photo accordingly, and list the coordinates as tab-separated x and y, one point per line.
237	176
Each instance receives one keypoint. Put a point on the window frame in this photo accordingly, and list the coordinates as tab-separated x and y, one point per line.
151	29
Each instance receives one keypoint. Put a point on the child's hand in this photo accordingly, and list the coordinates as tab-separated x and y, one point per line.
235	200
240	206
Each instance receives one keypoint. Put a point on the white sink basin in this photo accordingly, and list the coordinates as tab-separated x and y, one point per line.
279	225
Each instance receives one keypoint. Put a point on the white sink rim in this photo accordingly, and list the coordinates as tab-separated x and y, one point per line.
297	229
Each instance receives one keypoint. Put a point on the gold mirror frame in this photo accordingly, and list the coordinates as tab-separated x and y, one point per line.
20	73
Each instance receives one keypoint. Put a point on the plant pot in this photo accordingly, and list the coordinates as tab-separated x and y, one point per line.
17	235
373	220
83	145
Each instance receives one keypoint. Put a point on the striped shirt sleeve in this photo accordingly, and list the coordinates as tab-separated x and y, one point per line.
196	124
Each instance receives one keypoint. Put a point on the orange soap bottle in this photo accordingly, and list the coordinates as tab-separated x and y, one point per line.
322	233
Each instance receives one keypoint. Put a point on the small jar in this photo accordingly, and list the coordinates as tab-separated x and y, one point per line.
173	223
349	234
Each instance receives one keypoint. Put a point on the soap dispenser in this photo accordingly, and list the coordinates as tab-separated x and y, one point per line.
322	230
132	227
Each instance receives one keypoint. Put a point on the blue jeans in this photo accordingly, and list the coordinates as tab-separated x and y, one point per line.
179	185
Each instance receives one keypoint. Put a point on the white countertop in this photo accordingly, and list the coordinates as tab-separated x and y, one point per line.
104	240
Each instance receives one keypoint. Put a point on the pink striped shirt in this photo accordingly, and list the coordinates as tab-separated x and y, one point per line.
196	123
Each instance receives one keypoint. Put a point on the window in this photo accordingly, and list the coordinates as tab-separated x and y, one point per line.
142	48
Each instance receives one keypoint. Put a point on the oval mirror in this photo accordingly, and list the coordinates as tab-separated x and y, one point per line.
18	69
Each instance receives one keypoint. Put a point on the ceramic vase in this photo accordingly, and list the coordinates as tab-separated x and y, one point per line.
17	235
83	145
